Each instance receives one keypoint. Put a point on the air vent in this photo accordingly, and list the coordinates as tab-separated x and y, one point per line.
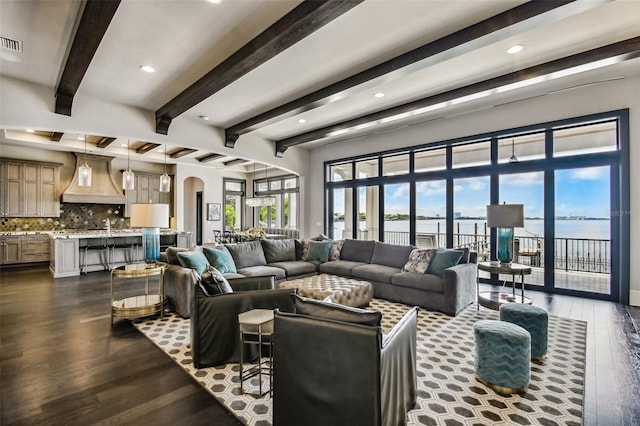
11	44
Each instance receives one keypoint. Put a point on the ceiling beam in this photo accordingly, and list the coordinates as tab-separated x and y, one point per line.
467	39
624	50
304	19
182	152
234	162
105	142
209	157
56	136
94	21
148	146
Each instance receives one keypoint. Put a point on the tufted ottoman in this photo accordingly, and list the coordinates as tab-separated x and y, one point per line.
345	291
503	356
533	319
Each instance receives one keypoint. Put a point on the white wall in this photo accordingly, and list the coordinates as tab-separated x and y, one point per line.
593	99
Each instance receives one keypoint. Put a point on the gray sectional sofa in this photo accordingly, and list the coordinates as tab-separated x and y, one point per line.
382	264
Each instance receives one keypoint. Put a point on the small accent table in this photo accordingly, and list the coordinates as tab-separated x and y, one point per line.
493	299
256	328
142	305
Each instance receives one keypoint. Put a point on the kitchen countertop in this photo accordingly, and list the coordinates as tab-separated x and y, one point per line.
89	233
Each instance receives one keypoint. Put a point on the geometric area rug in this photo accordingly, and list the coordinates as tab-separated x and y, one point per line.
448	393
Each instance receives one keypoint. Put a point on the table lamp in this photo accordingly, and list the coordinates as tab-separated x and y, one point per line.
150	217
505	217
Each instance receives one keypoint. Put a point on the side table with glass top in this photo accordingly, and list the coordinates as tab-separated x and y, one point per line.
493	299
141	305
256	328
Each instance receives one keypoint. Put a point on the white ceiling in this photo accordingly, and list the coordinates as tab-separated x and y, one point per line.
184	39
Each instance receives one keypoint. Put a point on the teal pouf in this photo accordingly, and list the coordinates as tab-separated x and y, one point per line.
503	356
533	319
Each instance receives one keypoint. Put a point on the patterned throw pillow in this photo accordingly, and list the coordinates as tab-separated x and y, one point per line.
213	282
334	253
305	249
419	261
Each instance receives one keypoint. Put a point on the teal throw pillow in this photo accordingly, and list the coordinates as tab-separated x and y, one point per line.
193	259
221	259
444	259
319	250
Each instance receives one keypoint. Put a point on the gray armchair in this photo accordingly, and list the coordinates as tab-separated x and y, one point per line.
337	372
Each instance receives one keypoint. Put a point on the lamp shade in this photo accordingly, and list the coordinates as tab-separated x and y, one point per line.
149	215
505	216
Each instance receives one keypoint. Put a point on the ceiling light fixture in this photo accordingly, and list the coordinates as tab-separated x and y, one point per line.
30	131
128	177
256	200
516	48
215	1
204	117
84	171
379	95
513	158
302	121
165	181
147	68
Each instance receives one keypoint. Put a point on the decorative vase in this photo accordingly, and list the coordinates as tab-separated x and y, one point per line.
505	245
151	244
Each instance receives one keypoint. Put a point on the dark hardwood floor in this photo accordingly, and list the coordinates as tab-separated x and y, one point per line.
62	363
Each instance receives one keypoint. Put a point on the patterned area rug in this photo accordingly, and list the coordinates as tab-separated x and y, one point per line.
448	393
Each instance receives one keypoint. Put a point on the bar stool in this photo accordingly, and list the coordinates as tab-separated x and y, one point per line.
119	243
94	245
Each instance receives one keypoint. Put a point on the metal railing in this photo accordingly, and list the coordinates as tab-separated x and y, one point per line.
570	254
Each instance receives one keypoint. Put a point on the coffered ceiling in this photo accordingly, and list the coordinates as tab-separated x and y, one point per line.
304	73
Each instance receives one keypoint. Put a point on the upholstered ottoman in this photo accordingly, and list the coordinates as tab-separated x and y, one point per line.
533	319
345	291
503	356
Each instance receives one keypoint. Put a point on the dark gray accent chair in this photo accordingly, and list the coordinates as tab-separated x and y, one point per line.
340	372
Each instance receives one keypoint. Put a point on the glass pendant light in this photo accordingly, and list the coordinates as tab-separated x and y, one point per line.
128	177
84	171
165	181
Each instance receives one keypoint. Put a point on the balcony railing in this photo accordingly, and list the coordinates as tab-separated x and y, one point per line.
570	254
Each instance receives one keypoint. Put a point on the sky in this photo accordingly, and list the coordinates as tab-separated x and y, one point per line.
579	192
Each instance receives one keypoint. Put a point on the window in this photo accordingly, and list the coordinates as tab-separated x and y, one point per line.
234	193
285	213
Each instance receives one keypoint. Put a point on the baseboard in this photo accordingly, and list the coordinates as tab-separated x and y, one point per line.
634	297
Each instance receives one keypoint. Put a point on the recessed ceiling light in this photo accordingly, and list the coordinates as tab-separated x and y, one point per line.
30	131
379	95
80	137
203	117
147	68
215	1
515	49
302	121
123	144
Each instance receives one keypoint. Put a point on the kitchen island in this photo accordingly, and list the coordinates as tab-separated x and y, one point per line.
76	252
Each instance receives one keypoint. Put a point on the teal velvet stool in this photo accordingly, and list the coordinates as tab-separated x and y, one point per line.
533	319
503	356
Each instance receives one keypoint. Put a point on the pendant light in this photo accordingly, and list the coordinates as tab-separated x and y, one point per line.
260	201
128	177
513	158
84	171
165	181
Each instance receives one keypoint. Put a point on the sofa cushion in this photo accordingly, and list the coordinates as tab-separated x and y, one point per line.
263	271
390	254
279	250
247	254
357	250
427	282
336	312
296	267
319	250
172	254
373	272
419	260
193	259
213	282
443	259
466	255
336	248
339	267
220	258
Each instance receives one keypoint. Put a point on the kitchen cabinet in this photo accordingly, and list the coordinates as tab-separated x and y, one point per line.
65	261
147	190
10	250
29	188
36	248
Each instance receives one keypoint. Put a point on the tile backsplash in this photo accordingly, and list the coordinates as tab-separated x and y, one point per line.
72	216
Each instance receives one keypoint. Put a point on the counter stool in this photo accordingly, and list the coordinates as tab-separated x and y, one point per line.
533	319
503	356
93	244
119	243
